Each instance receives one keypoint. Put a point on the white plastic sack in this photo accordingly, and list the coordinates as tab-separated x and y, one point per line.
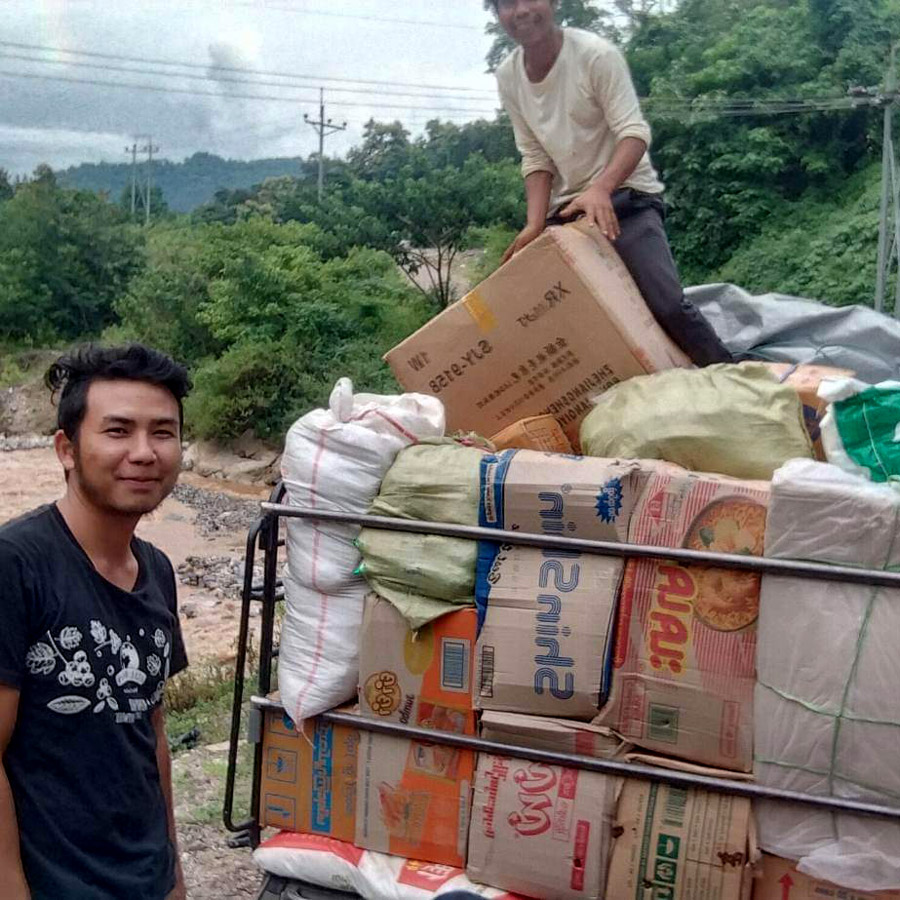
333	864
335	459
827	701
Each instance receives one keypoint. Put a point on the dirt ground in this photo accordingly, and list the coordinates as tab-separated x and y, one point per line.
213	871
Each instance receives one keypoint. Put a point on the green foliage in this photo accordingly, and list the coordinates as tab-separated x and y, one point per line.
824	248
64	258
493	241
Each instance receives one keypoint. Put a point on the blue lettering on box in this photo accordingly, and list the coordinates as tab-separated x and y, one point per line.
609	501
321	799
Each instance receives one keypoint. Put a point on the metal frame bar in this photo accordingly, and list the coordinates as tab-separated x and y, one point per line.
267	529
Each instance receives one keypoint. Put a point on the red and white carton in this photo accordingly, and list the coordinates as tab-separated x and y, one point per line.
540	830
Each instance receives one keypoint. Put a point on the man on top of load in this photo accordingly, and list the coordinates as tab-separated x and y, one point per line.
583	141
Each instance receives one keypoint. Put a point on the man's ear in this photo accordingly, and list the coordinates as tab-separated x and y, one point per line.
65	451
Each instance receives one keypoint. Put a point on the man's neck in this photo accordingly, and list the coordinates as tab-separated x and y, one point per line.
540	57
105	536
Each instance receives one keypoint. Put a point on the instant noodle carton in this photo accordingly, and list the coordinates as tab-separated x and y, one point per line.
675	843
413	799
559	323
421	678
534	433
548	627
308	780
685	650
778	879
540	830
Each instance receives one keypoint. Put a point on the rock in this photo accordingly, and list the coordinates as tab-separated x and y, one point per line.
189	610
208	460
248	446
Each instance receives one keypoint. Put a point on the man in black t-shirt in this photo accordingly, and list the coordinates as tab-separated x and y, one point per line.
89	634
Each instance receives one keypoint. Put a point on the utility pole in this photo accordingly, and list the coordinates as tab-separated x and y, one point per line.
149	149
889	230
324	127
133	151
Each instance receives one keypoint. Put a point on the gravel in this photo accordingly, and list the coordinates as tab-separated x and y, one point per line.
217	513
11	442
221	575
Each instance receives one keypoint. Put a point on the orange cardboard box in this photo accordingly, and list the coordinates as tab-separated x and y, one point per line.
805	379
421	678
413	799
541	433
309	780
559	323
684	666
778	879
552	735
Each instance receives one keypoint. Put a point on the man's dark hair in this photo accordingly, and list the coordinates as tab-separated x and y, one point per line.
72	375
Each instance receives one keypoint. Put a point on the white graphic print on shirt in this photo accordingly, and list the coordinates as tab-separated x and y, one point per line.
73	666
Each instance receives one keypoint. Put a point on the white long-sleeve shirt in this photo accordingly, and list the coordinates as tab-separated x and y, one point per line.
570	123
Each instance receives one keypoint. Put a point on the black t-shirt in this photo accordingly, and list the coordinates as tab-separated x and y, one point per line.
90	662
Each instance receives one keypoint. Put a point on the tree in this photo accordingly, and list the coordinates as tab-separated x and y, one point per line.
6	188
570	13
384	150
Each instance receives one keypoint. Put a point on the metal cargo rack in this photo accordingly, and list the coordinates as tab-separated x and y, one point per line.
265	537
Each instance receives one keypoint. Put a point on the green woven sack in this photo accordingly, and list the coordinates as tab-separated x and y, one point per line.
868	424
425	576
726	419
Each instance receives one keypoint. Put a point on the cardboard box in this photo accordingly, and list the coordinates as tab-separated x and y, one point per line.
778	879
805	380
413	799
685	655
563	496
540	830
561	322
309	781
542	433
553	735
421	678
678	844
547	632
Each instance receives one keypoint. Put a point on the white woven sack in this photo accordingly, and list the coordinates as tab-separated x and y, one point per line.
335	459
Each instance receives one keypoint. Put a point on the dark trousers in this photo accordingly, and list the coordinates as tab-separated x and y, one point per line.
644	248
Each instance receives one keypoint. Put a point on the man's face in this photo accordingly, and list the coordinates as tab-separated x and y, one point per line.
526	21
127	454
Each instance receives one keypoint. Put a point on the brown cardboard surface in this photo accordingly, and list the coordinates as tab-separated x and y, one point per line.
560	322
552	735
421	678
678	844
309	781
685	655
805	379
547	630
536	433
778	879
413	799
539	830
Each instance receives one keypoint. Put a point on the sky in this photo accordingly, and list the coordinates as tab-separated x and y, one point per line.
431	56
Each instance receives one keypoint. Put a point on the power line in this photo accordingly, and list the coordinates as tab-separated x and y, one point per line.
34	76
318	78
106	67
434	23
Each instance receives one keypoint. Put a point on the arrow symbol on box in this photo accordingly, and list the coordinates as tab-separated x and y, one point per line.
786	883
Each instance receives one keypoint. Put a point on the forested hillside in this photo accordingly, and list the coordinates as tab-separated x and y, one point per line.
772	168
185	185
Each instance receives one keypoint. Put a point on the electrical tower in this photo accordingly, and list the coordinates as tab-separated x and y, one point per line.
889	231
142	191
324	127
149	149
133	149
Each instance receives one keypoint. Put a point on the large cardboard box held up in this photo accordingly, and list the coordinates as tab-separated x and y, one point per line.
309	780
413	799
685	652
560	322
778	879
548	630
678	844
540	830
421	678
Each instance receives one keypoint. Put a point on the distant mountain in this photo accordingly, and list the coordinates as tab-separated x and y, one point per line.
185	185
